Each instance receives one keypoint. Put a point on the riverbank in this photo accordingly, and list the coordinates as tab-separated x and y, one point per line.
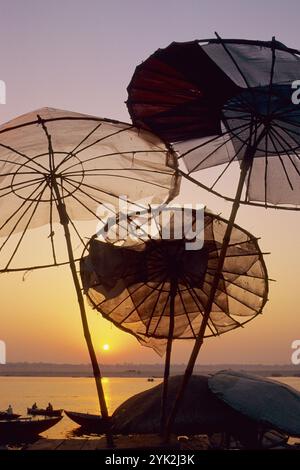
138	370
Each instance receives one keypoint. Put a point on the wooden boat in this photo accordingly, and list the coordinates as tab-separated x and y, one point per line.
87	421
8	416
43	412
25	428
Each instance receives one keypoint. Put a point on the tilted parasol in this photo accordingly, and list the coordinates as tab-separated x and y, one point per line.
202	412
61	167
269	402
157	289
220	103
224	103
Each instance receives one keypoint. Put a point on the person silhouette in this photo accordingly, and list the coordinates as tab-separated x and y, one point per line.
49	407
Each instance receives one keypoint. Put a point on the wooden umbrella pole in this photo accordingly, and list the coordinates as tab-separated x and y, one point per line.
64	220
245	165
168	357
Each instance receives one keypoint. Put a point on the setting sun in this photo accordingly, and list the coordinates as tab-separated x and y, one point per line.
105	347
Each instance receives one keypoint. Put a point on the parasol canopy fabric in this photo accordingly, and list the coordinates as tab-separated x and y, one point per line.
216	98
271	403
92	160
131	285
201	411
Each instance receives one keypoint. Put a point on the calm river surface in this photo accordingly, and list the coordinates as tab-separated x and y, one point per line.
76	394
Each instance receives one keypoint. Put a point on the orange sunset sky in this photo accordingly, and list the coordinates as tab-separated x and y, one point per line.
80	56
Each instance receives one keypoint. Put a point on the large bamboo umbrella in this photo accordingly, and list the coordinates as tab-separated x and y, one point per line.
61	167
157	289
224	103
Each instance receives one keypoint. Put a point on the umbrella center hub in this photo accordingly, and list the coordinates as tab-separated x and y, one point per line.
264	115
35	179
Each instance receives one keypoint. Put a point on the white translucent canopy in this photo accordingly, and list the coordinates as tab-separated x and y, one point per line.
93	161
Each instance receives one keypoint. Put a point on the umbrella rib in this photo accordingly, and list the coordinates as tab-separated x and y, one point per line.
223	144
25	229
224	291
137	225
88	172
197	147
78	145
51	235
279	136
228	164
288	132
218	248
12	173
119	176
112	154
138	335
250	126
186	313
250	106
241	275
162	314
198	302
162	285
105	137
240	254
95	200
271	74
287	152
242	106
8	193
237	323
22	184
287	121
19	219
82	203
77	232
233	60
281	161
29	159
135	308
266	168
34	268
237	276
70	181
99	304
248	179
126	298
221	308
19	208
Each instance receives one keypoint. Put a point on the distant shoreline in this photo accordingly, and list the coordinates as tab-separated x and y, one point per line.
138	370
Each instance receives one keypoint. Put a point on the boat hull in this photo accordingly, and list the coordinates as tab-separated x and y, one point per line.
42	412
87	421
25	428
8	416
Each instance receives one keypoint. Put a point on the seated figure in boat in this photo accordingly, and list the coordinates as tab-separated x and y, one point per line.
49	407
34	406
9	410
